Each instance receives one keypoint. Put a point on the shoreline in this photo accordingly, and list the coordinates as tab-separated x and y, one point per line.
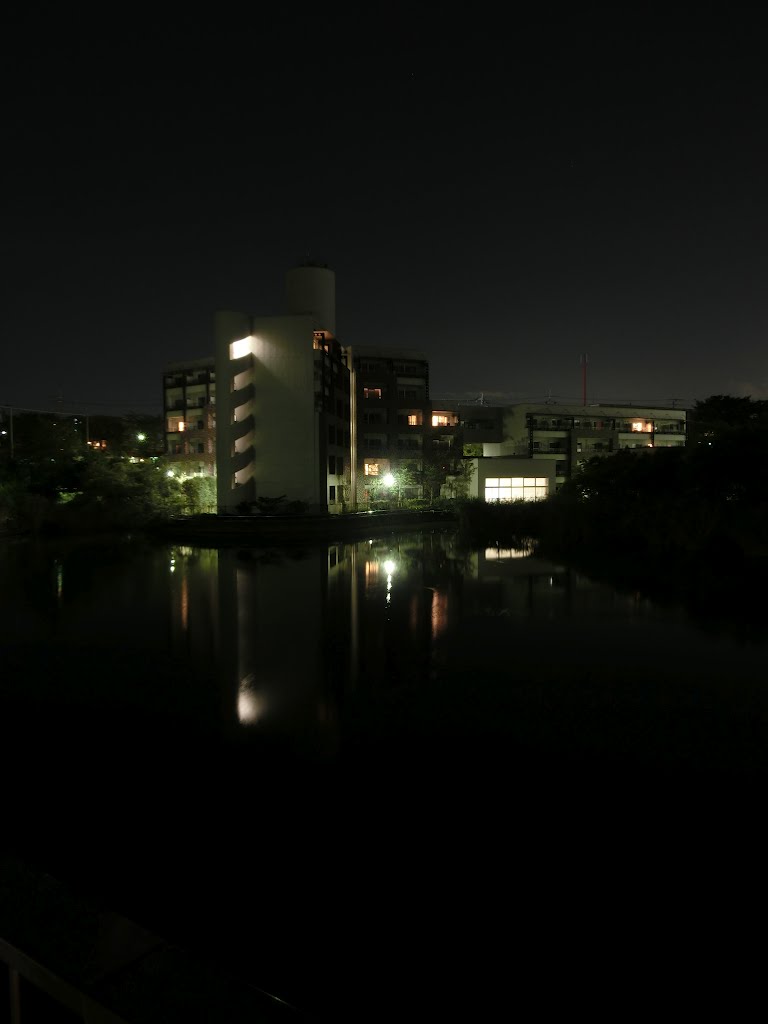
286	528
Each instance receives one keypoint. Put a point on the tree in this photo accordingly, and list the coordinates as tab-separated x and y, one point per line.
460	477
722	416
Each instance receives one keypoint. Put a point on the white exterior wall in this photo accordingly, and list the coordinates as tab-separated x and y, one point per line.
285	442
312	291
275	436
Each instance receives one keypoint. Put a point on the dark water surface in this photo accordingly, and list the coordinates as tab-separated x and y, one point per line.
381	779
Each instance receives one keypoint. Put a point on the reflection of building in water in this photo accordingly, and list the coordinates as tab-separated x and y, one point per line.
516	580
194	600
299	633
406	588
283	653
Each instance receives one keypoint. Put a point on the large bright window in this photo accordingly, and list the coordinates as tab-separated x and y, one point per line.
516	488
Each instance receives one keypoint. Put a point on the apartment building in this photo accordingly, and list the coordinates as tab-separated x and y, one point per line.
391	416
309	420
189	410
569	435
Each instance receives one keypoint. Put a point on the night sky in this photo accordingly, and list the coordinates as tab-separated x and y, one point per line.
500	195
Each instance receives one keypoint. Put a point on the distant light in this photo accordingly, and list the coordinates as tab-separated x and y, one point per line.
141	437
169	472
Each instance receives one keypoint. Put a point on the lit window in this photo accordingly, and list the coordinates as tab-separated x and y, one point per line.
371	392
516	488
182	425
413	420
371	469
440	420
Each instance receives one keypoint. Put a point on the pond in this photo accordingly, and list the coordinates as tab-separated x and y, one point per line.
334	767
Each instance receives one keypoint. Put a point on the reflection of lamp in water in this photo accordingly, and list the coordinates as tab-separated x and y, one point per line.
390	567
250	705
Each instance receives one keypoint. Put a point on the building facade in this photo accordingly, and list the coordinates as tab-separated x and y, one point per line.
570	435
391	418
304	419
284	402
189	411
509	479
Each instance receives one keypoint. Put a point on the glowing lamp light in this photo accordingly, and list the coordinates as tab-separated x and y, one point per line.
388	480
240	348
141	437
389	566
169	472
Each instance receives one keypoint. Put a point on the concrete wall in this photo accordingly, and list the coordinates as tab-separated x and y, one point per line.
270	391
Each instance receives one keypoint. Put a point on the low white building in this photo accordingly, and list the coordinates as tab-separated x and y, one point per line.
511	479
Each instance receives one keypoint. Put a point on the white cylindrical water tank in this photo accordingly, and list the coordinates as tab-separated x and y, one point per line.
312	290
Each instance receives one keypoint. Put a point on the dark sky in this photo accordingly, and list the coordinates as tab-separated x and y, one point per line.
502	195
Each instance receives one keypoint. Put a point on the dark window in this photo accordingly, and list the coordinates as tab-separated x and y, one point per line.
332	434
331	464
332	493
